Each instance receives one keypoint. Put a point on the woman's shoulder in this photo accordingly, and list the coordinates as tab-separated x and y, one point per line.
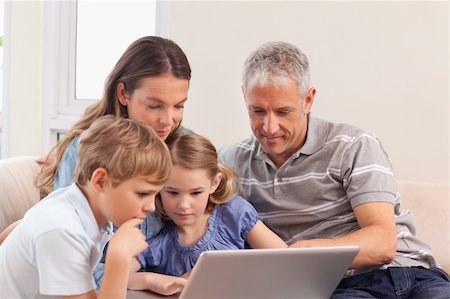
185	130
74	142
72	148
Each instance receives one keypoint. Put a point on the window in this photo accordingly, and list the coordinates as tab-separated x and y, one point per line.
86	38
121	23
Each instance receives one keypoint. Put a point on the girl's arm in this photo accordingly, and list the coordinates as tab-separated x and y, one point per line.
158	283
155	282
260	236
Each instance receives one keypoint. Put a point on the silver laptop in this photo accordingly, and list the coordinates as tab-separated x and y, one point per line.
269	273
266	273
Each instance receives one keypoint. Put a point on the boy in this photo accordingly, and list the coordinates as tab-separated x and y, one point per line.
122	165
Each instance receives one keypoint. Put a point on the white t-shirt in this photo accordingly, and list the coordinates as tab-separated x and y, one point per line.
54	249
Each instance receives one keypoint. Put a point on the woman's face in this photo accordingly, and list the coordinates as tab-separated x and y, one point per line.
158	102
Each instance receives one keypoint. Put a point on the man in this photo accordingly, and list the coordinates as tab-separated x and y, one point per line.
317	183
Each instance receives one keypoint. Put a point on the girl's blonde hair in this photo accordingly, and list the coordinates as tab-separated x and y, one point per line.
125	148
149	56
192	151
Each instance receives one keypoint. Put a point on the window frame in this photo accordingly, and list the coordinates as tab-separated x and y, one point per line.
61	109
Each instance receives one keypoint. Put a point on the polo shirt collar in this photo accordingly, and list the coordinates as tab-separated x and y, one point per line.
87	218
315	136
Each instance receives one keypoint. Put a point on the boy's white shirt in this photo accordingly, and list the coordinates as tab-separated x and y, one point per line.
54	250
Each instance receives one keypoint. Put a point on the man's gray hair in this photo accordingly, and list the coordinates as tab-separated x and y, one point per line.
274	63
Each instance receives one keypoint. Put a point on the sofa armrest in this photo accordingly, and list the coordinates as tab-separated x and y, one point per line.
17	190
429	205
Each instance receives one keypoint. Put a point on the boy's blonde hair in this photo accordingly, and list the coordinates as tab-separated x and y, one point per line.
192	151
126	148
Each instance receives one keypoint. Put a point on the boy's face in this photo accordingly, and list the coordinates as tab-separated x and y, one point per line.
133	198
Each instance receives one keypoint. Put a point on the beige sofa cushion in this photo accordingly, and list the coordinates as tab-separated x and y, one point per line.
429	204
17	191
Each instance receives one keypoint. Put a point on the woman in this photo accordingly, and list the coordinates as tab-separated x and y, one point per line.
149	83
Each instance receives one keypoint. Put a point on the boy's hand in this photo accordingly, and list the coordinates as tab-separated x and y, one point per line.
128	239
127	242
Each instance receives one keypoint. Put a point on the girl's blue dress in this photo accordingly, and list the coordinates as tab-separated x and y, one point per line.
228	226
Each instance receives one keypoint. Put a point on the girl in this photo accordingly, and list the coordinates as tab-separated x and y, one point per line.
203	212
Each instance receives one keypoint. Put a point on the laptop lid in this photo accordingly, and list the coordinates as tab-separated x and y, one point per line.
269	273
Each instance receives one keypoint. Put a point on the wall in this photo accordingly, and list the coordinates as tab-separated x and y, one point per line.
23	87
382	66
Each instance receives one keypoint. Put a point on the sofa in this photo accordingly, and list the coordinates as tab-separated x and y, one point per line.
17	191
429	203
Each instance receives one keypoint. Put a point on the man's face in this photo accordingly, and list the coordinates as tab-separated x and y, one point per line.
278	117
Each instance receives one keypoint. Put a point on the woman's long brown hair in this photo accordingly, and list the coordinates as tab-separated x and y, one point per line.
148	56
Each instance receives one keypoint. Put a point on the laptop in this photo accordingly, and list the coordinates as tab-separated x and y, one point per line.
264	274
269	273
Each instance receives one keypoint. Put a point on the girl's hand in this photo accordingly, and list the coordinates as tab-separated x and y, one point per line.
168	285
159	283
186	275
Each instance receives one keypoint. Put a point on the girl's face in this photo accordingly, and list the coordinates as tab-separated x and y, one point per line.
185	196
158	102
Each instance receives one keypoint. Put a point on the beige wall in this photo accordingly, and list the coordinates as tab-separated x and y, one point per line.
382	66
23	91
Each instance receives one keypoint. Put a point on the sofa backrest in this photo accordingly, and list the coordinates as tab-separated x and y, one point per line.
17	191
429	205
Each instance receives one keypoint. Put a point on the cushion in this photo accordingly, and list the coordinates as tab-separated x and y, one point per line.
17	191
429	205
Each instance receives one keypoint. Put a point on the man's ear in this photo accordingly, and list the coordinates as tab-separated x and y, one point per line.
216	182
99	179
122	93
309	100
